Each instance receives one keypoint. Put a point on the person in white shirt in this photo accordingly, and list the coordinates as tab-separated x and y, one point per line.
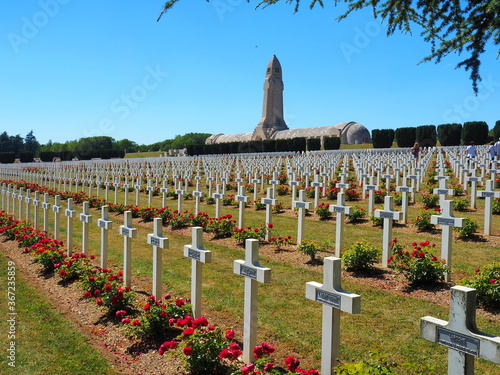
471	151
497	149
491	152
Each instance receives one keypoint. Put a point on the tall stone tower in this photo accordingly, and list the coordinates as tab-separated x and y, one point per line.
272	109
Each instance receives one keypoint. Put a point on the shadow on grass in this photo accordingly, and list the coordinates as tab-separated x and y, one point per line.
436	287
473	238
373	273
315	262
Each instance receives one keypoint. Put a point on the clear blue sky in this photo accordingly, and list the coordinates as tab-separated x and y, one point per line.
72	69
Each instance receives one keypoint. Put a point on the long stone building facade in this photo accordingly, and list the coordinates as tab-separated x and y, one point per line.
272	124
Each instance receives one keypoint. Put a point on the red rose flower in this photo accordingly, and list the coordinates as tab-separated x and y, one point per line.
230	334
187	350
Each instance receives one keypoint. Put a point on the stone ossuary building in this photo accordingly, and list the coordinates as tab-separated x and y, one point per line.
272	124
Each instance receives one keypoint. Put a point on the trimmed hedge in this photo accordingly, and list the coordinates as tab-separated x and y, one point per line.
331	143
313	144
405	137
26	156
382	138
449	134
426	135
7	157
474	131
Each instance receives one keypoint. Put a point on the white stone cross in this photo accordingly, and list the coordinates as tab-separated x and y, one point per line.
116	185
20	198
4	194
342	184
447	221
137	191
86	219
46	207
164	191
404	189
302	206
90	182
274	181
316	184
105	224
269	201
8	194
125	187
57	211
198	194
36	204
70	214
242	199
128	233
415	183
387	177
150	189
341	209
443	190
224	180
158	242
325	176
460	335
334	300
293	183
388	214
27	199
254	273
209	179
239	179
180	196
488	194
371	196
218	196
198	256
255	181
473	179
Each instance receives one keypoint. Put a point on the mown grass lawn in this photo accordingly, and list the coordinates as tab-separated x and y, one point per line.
45	342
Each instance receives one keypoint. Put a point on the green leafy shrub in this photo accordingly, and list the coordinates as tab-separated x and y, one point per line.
206	349
356	214
48	257
360	256
78	265
282	190
486	281
461	204
420	267
430	200
221	227
309	248
469	229
243	234
323	211
376	221
155	319
105	287
423	219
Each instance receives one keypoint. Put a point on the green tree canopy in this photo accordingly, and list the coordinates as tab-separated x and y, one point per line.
450	26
